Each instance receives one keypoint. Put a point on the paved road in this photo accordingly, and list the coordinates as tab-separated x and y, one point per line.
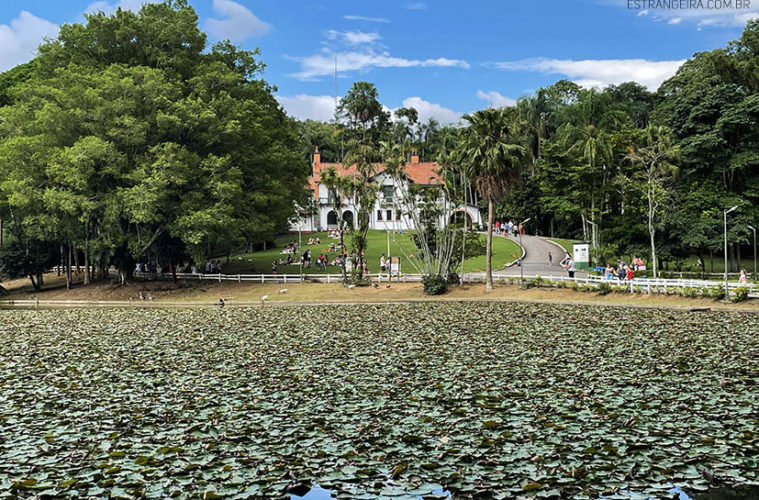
536	258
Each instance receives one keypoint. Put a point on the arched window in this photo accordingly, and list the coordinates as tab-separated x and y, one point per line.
348	218
331	218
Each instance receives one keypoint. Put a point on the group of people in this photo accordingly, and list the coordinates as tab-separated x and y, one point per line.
314	241
508	228
624	271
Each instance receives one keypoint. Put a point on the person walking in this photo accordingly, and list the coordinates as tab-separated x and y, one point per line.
383	263
550	259
569	264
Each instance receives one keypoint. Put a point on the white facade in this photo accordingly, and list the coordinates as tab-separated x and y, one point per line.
387	214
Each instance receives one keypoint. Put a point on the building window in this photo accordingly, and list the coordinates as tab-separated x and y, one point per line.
387	194
379	214
389	215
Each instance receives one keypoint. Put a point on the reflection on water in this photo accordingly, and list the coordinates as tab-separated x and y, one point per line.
318	493
751	493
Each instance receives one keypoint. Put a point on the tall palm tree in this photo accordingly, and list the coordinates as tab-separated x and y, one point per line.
594	144
492	151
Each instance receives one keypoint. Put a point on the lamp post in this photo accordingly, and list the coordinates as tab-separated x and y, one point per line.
521	264
727	289
753	229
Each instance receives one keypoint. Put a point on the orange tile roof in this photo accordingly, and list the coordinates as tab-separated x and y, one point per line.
424	173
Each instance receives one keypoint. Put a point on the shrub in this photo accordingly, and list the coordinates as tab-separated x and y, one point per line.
354	279
741	294
535	282
688	291
453	278
715	292
434	284
603	288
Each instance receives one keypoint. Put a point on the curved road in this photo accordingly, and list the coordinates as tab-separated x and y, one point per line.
536	258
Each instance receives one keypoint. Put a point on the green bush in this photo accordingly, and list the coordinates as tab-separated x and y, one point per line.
714	292
355	279
536	282
434	284
603	288
688	291
741	294
453	278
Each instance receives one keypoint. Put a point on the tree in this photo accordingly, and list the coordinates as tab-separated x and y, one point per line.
363	109
129	133
657	156
492	152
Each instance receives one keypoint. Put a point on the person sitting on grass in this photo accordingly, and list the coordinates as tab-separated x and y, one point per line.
317	241
332	248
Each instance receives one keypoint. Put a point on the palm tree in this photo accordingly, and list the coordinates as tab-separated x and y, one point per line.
595	145
491	151
657	155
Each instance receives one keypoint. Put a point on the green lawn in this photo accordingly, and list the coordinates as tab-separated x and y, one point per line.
564	243
504	252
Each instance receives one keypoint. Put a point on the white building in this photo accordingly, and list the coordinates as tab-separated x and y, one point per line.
387	214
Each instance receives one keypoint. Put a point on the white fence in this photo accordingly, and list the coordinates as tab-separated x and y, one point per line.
648	285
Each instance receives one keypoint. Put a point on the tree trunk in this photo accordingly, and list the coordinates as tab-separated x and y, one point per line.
68	267
87	262
653	251
489	250
34	283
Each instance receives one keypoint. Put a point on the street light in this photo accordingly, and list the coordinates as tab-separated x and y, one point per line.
754	231
727	290
521	264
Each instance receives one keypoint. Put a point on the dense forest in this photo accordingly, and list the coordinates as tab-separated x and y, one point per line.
624	160
128	138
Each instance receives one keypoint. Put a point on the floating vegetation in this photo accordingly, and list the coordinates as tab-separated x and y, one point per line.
472	399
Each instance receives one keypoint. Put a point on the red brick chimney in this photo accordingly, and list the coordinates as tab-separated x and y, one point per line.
317	156
414	157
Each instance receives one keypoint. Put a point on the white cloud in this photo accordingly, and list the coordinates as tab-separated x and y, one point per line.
109	8
353	37
643	12
19	40
429	110
239	23
322	108
495	99
416	6
600	72
351	17
323	64
675	20
311	107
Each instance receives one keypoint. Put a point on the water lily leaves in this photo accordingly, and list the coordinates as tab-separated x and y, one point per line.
471	400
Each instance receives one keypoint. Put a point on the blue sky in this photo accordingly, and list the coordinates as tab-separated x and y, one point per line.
443	57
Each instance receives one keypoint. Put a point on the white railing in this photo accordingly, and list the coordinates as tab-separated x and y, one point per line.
651	285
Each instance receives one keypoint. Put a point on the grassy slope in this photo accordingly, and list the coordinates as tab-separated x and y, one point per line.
504	252
564	243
